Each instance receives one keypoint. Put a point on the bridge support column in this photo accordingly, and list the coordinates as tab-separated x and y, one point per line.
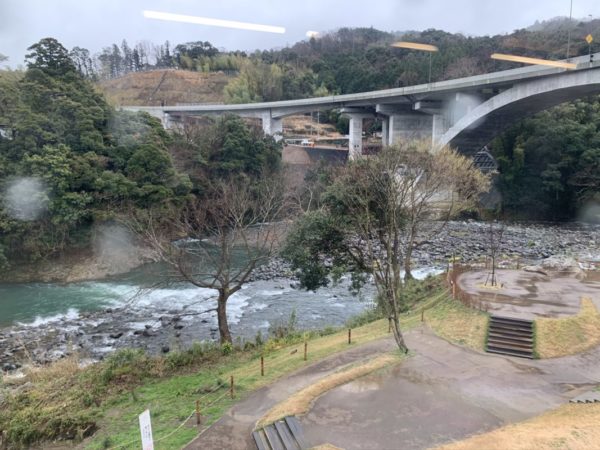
273	126
385	131
169	122
407	127
439	127
355	135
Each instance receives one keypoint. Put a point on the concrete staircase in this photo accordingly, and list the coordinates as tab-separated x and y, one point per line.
285	434
587	397
512	337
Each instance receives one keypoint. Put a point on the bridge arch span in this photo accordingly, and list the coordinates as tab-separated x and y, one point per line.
477	128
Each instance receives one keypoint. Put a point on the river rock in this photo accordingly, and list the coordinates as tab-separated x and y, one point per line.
535	269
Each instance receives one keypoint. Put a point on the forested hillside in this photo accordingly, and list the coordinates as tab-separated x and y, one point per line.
343	61
68	160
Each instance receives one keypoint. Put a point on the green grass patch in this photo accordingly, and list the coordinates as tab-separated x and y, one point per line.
458	323
568	335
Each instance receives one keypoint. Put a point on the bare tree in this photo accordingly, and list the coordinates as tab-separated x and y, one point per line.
229	232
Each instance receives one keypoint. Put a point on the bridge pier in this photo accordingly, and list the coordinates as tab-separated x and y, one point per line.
356	116
408	127
385	131
440	124
273	126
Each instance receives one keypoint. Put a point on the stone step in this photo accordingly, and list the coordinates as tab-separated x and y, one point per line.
502	351
510	327
513	333
499	342
500	319
285	434
587	397
516	336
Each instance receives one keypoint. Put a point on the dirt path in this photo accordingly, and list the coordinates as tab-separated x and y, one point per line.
443	392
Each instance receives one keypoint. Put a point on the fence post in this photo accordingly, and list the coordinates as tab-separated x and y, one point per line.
198	412
422	314
305	349
389	324
349	335
262	366
231	390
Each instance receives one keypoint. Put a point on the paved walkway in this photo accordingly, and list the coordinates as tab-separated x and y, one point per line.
527	295
443	392
233	431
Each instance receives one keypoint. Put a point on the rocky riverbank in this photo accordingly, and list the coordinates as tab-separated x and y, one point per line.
172	324
470	242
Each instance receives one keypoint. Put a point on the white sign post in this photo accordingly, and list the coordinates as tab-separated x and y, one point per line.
146	430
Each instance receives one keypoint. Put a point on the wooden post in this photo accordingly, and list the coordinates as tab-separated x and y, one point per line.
349	335
422	314
389	324
305	349
198	412
231	390
262	366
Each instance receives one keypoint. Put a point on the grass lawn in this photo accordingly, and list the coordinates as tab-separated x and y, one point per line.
569	335
571	426
459	324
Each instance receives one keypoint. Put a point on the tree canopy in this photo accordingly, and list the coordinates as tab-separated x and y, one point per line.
88	157
369	218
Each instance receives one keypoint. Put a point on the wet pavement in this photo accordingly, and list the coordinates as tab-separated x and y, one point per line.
234	430
527	295
442	393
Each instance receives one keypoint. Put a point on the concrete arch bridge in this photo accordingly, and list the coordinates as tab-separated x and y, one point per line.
466	113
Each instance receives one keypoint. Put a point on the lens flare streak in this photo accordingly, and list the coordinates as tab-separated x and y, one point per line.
158	15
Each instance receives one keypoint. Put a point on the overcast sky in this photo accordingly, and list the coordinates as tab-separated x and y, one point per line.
94	24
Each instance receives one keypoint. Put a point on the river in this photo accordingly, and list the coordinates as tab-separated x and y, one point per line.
46	321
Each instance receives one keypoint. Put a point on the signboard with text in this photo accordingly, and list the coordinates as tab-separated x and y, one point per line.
146	430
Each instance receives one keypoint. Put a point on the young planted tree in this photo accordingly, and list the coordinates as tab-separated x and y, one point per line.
370	216
495	235
229	233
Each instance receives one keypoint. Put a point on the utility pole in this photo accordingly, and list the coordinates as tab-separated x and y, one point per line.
569	32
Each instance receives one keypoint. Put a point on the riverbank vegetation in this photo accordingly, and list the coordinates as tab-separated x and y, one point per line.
100	403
